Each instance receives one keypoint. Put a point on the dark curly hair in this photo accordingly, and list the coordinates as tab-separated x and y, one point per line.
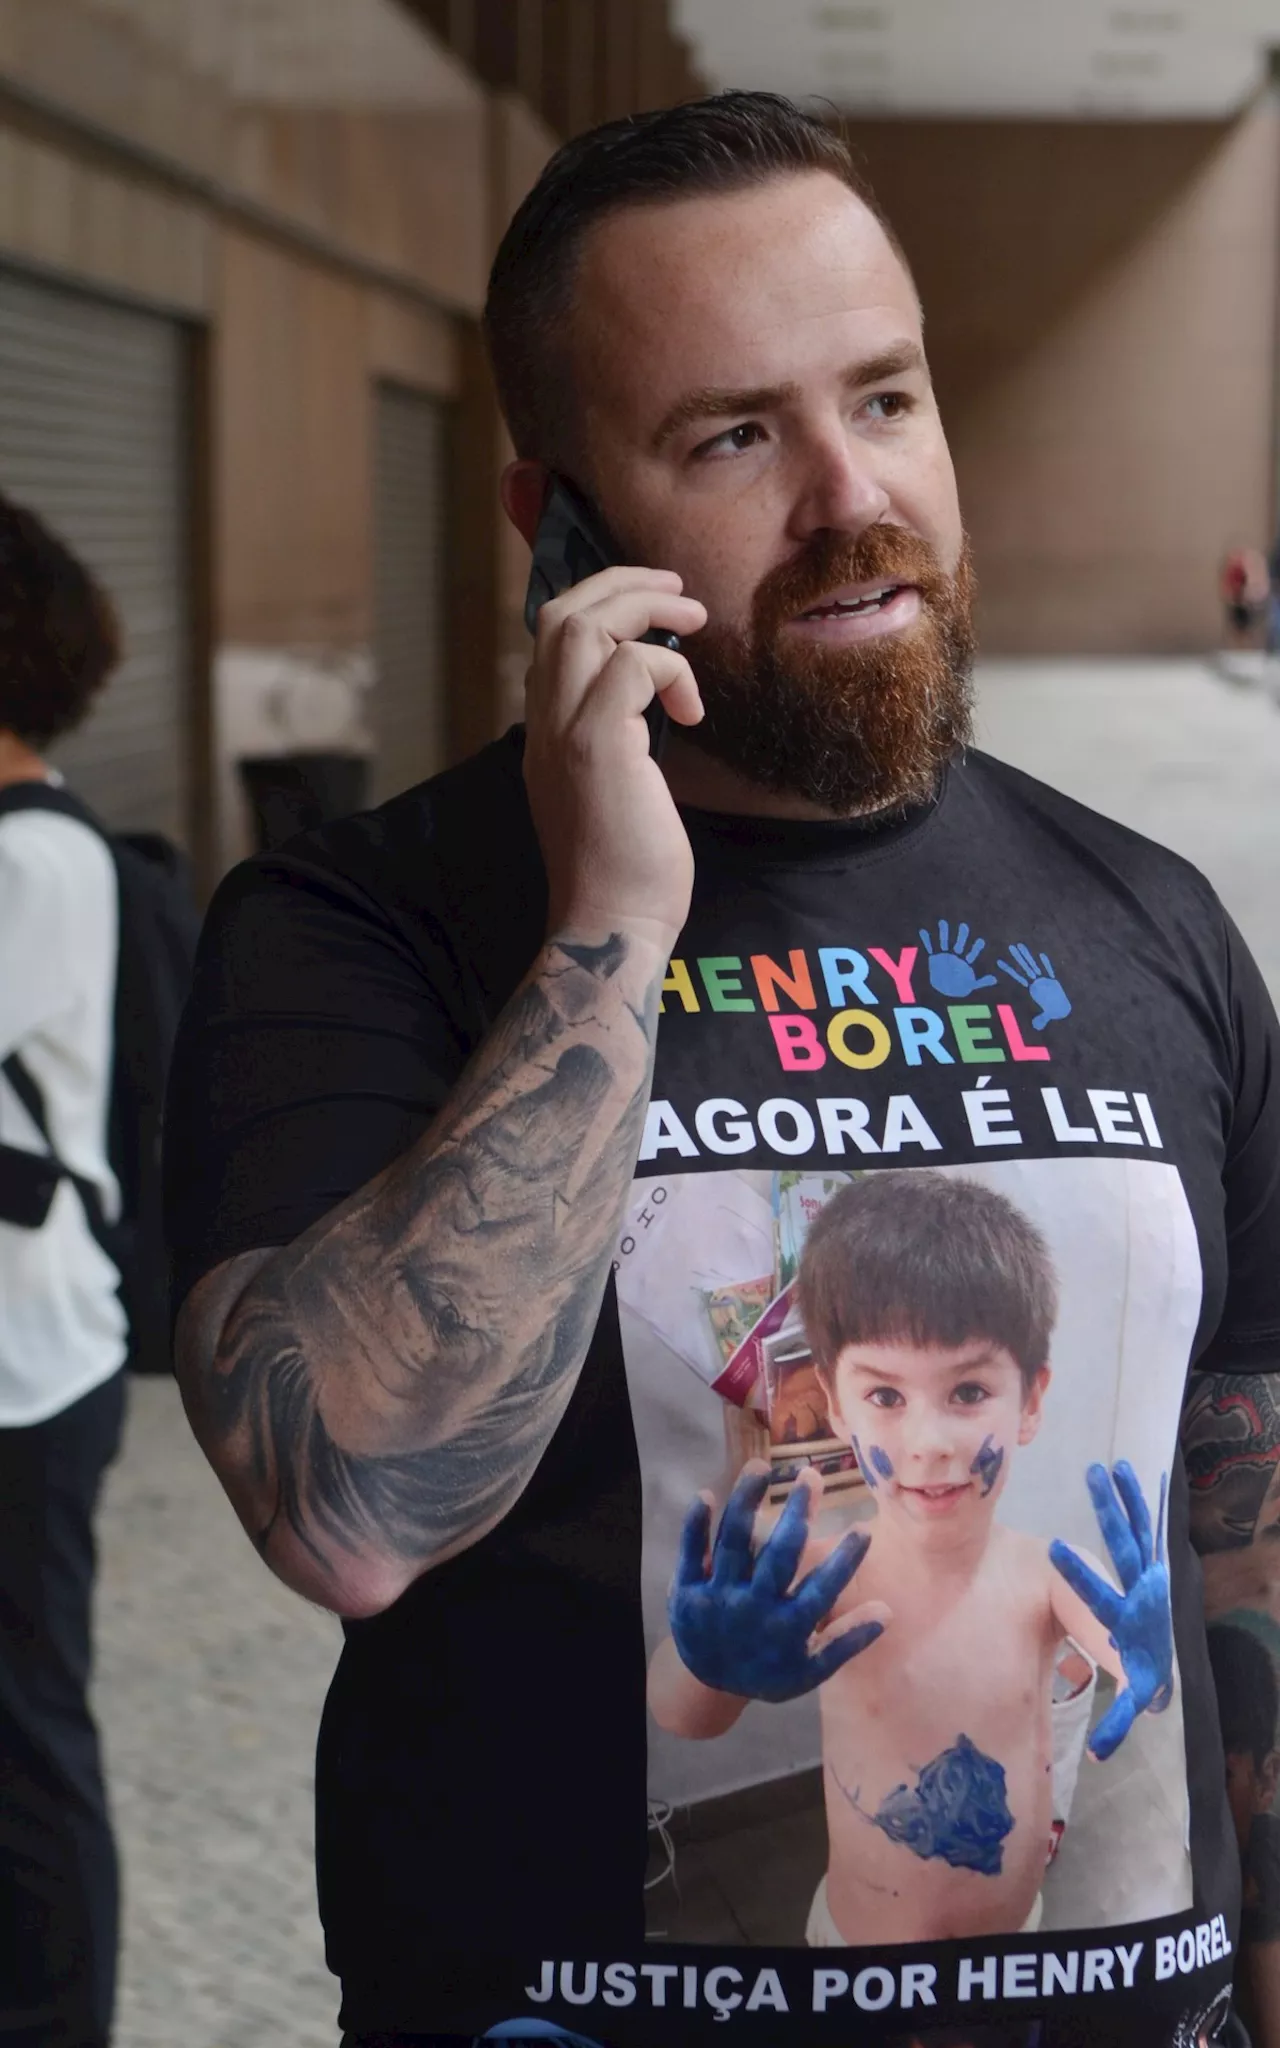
59	634
726	143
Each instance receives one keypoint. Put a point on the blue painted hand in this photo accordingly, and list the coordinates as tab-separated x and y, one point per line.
951	969
1039	977
739	1624
1139	1620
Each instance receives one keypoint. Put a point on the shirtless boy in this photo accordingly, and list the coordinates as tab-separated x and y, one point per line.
929	1302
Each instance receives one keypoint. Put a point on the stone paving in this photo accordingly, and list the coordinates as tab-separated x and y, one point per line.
211	1675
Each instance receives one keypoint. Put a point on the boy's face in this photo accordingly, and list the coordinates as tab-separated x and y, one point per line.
933	1426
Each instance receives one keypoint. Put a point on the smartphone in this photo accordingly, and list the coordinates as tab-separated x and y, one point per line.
573	542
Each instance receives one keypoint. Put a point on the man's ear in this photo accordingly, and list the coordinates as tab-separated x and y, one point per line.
523	489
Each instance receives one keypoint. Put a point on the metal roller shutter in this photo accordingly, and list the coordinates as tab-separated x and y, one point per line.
408	699
93	436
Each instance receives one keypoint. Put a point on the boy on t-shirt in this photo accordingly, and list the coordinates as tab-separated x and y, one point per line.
929	1302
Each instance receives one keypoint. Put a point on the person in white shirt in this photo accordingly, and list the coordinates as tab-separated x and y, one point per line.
62	1325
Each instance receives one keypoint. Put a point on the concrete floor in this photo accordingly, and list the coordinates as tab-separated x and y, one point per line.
211	1676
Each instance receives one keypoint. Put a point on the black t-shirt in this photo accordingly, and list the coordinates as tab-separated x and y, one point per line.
987	1095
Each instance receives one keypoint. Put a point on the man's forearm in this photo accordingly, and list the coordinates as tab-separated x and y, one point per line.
1231	1442
381	1391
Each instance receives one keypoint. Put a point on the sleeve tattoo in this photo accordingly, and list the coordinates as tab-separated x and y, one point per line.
387	1384
1231	1445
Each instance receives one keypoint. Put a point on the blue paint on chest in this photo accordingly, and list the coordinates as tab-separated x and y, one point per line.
882	1462
957	1811
988	1464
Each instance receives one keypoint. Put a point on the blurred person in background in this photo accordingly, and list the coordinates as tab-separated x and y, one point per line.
62	1325
1245	584
428	1047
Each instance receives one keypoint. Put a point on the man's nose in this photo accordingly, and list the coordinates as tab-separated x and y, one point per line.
838	487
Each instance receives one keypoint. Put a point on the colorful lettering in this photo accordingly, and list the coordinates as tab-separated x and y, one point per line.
971	1028
845	973
858	1020
1017	1044
797	1041
679	982
921	1032
797	985
722	979
899	970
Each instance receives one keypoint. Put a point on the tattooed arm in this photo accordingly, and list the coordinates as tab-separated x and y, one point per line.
376	1395
1231	1442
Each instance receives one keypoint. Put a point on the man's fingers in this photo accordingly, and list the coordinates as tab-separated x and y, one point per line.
1100	1598
579	626
624	688
731	1558
1114	1726
1114	1524
815	1597
691	1563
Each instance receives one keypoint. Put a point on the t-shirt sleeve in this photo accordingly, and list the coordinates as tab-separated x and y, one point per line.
1248	1335
317	1044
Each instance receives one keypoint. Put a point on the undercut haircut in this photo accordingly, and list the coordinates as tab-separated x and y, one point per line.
1244	1679
59	635
930	1259
727	143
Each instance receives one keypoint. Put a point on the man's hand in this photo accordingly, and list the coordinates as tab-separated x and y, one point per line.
1139	1621
738	1625
617	856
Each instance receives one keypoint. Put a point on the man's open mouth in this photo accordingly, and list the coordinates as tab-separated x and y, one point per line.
848	608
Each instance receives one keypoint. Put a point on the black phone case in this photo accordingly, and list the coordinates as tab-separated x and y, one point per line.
571	544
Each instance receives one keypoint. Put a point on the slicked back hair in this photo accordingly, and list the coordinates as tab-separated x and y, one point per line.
727	143
929	1259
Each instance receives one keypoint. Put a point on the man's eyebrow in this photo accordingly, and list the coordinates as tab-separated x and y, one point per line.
710	402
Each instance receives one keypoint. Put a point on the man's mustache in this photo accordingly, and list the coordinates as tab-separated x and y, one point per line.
882	553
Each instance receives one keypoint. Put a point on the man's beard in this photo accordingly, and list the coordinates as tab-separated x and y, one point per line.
850	729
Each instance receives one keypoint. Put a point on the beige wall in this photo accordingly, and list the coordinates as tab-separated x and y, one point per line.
489	649
1101	321
296	355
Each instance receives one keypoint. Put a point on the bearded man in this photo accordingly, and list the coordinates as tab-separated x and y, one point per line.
448	1065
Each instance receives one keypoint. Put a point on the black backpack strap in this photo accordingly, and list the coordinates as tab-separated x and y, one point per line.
27	1089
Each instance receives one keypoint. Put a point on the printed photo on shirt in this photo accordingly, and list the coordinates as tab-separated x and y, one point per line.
906	1438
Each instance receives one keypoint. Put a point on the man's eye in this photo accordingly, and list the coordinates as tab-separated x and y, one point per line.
732	442
885	1397
894	405
969	1394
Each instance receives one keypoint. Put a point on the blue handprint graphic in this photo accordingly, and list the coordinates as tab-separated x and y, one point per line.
1039	977
951	969
738	1626
1139	1620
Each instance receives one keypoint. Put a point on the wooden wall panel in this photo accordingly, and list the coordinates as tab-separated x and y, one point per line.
292	452
1101	320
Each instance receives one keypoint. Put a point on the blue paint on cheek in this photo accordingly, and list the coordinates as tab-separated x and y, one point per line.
863	1466
957	1811
882	1462
988	1464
